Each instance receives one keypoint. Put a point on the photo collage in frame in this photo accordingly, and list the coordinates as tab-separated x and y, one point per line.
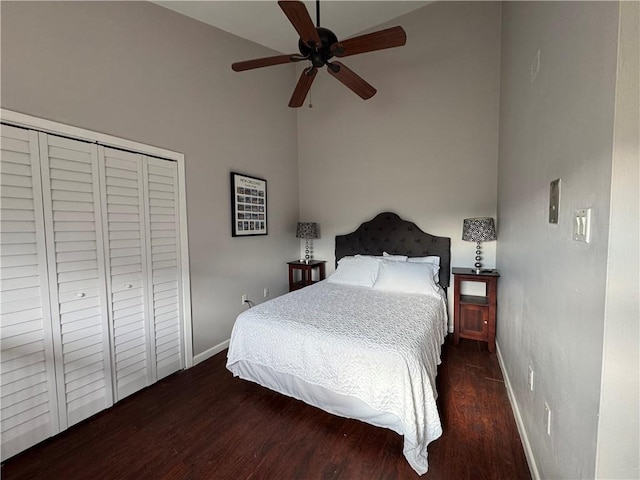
249	205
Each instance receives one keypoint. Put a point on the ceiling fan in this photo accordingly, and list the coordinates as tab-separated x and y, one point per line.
319	45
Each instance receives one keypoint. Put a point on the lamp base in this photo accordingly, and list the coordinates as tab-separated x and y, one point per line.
478	265
307	256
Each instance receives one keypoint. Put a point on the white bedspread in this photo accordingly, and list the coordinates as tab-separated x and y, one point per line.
382	348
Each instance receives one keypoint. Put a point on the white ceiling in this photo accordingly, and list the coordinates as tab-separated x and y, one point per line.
264	22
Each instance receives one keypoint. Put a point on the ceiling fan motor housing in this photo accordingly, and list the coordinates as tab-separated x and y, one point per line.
320	56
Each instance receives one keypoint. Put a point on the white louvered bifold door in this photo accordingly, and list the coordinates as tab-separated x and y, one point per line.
164	267
75	255
29	407
123	208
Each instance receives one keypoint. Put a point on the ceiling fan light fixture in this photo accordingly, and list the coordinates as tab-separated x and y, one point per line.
334	67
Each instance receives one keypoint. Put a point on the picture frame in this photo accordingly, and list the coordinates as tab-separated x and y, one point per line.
248	205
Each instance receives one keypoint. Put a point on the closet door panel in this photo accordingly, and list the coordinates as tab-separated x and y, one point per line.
164	264
76	274
123	207
29	404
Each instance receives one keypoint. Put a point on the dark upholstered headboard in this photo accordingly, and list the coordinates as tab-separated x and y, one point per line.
387	232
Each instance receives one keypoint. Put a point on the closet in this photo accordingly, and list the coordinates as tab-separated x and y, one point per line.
91	291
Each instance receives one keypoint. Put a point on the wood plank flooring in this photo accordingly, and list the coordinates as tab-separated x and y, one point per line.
204	424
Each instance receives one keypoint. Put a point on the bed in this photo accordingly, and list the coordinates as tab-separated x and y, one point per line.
366	342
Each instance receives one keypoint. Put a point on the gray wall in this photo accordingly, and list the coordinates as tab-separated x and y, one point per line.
141	72
620	397
425	146
552	294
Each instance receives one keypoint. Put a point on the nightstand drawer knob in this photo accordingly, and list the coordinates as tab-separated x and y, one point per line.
485	322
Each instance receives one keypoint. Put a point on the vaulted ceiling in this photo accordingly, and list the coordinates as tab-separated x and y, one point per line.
263	22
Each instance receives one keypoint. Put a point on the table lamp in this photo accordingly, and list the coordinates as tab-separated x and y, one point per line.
480	229
308	231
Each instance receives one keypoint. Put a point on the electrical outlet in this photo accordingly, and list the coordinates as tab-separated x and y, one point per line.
547	418
266	292
530	378
245	299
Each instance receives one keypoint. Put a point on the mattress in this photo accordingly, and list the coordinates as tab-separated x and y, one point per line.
352	351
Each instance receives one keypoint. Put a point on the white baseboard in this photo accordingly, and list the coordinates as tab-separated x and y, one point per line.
201	357
516	412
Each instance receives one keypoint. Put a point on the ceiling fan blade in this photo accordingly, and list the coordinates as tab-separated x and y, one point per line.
370	42
352	80
266	62
299	17
303	86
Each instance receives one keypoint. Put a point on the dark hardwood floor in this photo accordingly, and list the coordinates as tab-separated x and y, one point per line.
203	423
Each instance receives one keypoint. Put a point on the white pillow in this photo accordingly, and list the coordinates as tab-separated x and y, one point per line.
397	258
431	259
379	257
435	260
407	278
360	271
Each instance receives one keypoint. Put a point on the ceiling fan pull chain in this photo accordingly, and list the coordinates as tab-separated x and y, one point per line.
310	70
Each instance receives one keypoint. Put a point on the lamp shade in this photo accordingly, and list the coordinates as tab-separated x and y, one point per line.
481	229
307	230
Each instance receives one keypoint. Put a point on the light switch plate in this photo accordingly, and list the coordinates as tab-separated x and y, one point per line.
582	225
554	201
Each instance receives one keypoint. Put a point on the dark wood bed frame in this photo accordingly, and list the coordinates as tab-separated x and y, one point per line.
387	232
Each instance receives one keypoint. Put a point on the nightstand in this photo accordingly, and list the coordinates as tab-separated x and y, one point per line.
474	316
305	276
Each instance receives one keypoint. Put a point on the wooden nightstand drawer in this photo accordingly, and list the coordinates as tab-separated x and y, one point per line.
474	322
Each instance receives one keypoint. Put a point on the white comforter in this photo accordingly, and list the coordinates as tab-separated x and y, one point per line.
379	347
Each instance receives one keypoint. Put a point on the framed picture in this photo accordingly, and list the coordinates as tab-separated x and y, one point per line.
248	205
